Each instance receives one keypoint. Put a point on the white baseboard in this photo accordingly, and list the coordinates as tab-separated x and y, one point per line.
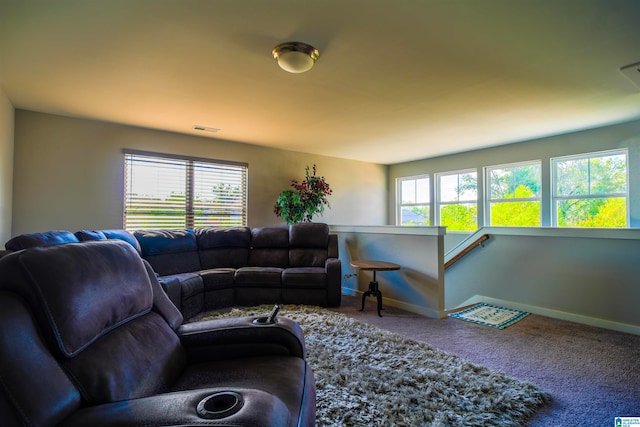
556	314
412	308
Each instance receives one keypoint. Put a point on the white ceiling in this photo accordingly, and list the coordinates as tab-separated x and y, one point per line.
396	80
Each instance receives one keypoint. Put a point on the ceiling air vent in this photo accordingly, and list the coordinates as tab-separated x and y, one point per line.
632	72
205	128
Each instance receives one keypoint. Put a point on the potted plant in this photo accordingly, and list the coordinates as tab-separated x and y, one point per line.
307	198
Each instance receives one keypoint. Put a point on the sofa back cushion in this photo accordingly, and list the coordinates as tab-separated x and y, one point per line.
84	291
46	238
308	243
223	247
169	251
89	235
269	247
93	303
35	390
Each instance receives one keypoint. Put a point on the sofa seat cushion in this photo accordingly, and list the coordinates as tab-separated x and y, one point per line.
264	277
190	283
304	277
288	378
179	409
218	278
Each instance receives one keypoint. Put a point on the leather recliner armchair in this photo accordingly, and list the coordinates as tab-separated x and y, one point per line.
88	338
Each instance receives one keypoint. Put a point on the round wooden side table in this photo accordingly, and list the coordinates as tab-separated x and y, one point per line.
375	266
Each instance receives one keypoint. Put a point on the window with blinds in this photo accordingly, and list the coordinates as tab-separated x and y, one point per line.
180	192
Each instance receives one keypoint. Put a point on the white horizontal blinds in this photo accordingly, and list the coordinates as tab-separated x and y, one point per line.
155	192
163	192
219	195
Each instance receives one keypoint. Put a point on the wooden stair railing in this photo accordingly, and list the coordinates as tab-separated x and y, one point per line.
469	248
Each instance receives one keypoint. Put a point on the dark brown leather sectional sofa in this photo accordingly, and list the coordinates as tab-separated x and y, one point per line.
207	268
89	338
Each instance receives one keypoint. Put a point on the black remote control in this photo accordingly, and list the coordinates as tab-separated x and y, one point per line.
272	316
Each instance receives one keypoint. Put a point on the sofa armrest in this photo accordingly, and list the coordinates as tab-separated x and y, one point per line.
172	287
241	337
333	267
181	409
332	247
161	301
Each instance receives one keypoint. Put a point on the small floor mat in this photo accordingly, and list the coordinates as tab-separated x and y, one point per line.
490	315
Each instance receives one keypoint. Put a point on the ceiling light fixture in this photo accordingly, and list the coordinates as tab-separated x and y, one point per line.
295	57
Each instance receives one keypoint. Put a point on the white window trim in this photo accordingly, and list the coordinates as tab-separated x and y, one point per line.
400	205
554	178
487	188
438	203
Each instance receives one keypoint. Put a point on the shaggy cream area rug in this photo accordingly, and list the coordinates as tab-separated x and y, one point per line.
366	376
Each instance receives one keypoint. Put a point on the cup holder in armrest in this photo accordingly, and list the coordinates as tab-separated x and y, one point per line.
264	320
270	319
220	405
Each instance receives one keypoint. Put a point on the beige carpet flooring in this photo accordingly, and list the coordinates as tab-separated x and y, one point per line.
592	374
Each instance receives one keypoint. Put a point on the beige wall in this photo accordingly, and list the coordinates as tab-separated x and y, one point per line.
6	166
587	276
418	286
623	135
68	174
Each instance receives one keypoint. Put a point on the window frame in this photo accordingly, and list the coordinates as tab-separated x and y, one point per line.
588	156
487	190
400	204
192	167
438	199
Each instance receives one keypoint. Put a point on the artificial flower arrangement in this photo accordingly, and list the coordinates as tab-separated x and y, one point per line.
307	198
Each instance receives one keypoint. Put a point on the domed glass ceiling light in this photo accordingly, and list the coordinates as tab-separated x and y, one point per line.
295	57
